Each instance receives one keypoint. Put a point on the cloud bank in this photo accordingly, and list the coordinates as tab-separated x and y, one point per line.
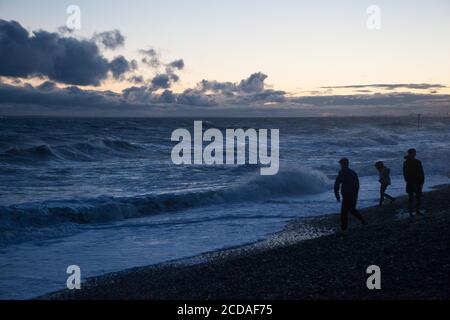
64	63
389	86
63	59
48	99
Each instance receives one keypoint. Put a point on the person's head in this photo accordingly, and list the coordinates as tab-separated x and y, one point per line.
411	153
344	163
379	165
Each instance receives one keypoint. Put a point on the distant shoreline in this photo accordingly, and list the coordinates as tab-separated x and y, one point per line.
309	259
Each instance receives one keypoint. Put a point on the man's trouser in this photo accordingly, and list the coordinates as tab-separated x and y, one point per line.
349	205
414	189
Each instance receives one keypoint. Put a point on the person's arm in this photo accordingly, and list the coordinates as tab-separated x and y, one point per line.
388	174
357	182
382	176
388	177
337	186
405	173
421	173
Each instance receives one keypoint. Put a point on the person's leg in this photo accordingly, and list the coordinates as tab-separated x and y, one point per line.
382	190
356	213
410	199
418	199
389	197
385	195
344	214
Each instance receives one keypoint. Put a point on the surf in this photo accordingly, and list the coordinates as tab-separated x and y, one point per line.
103	209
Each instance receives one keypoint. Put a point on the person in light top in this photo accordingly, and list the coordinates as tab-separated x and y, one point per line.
385	181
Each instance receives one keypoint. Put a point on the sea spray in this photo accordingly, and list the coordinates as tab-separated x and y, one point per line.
252	188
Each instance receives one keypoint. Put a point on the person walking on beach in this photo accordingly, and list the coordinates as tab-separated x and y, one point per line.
385	181
415	178
347	183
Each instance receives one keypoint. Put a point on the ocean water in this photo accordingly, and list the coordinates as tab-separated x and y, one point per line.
104	194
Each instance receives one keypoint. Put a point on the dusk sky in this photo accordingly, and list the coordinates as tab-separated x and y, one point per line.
288	54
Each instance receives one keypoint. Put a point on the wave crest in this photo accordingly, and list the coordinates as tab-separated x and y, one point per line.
82	151
289	182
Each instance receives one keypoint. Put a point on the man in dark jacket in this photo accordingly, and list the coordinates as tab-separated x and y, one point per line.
415	178
348	183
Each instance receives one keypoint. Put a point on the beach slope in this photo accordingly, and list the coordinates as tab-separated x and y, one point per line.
413	254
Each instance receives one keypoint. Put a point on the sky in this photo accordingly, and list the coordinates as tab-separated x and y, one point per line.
286	50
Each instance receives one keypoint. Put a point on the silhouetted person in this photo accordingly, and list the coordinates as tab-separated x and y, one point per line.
385	181
415	178
348	183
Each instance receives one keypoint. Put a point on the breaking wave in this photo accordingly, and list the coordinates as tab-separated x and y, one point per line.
290	182
82	151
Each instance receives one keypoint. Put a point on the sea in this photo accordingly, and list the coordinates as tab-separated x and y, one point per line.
104	194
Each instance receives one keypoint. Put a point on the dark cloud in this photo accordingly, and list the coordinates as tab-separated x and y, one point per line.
61	59
165	80
150	58
47	98
254	83
65	30
48	94
119	66
168	97
266	96
173	67
248	91
110	39
390	86
227	88
193	97
140	95
174	77
189	97
161	81
136	79
134	65
207	93
393	99
177	64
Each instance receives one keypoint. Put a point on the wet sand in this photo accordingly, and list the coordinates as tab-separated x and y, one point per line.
309	259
